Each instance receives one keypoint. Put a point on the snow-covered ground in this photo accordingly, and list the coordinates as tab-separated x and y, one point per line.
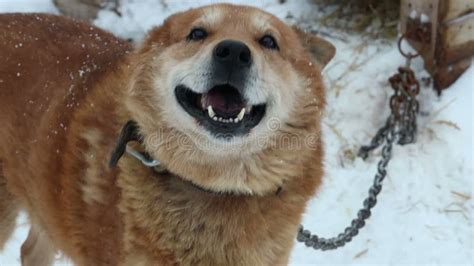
425	211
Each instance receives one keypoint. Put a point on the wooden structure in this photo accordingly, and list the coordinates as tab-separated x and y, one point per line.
85	9
442	31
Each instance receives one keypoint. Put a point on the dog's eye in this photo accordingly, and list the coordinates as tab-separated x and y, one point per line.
197	34
269	42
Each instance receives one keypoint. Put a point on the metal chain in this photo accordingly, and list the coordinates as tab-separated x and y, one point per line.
400	126
316	242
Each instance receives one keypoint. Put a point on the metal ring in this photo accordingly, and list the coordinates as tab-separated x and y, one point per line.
407	55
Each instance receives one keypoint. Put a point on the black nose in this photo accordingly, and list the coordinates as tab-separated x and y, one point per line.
233	52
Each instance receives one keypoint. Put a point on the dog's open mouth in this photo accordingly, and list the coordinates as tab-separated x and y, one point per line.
222	110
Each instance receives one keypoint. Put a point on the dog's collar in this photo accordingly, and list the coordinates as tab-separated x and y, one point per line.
146	159
130	132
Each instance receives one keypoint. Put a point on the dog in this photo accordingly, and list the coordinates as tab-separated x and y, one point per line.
199	147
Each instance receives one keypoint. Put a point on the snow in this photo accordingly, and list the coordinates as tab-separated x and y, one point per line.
424	18
425	210
27	6
413	14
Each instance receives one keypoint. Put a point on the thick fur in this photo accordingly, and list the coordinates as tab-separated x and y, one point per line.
66	88
8	210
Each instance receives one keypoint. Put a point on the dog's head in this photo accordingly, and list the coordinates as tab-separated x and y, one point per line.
214	89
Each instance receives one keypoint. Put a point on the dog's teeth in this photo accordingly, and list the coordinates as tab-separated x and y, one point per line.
240	116
210	112
228	120
248	109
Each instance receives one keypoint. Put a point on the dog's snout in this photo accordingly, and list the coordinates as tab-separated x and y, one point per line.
233	52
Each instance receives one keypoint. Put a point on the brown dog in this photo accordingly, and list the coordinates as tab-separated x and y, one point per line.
227	98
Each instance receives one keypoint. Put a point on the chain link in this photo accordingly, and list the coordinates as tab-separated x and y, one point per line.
351	231
400	127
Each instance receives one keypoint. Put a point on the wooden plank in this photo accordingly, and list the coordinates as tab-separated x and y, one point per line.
452	9
414	9
456	41
460	32
416	14
446	75
82	10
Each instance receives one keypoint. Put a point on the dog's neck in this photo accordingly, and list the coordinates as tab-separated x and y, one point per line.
170	220
163	213
130	132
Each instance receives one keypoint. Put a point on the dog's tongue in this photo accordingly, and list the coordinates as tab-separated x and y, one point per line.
226	102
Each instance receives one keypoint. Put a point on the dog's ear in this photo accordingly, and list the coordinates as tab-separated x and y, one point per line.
320	50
